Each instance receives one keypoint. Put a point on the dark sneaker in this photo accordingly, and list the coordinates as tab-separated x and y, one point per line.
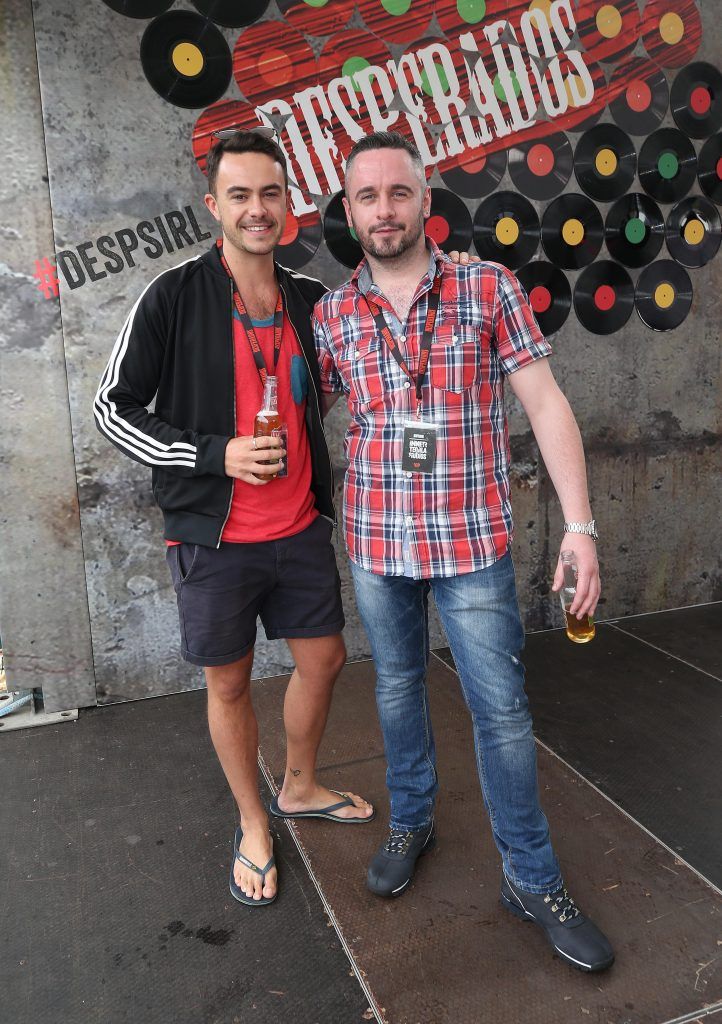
573	936
392	868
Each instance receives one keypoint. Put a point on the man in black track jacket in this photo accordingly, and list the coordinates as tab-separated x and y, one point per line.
244	539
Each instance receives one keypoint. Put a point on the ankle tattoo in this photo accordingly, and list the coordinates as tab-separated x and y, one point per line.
295	772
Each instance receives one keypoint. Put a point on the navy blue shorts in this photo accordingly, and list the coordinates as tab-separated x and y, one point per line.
292	584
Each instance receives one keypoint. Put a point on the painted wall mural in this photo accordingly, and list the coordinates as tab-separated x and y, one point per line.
548	89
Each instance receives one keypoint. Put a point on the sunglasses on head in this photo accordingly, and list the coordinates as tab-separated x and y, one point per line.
228	133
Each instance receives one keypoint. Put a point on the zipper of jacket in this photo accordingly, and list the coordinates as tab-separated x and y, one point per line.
315	395
233	363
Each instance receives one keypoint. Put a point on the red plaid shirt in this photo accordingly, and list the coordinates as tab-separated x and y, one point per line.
458	518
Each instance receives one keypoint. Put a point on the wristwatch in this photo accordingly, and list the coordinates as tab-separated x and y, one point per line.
589	529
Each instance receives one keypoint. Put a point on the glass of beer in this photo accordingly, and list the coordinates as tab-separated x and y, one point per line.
579	631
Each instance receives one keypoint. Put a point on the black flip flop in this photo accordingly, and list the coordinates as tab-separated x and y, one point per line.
236	891
323	812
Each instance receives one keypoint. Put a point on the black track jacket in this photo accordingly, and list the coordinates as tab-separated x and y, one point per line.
177	346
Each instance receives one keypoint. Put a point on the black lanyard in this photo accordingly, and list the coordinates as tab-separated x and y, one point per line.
248	325
426	337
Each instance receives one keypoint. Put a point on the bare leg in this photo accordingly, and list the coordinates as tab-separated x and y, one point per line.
234	731
308	698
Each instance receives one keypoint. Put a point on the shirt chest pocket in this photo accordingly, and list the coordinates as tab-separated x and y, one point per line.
455	357
363	359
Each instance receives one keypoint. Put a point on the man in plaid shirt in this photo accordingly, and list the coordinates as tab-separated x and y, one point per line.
421	349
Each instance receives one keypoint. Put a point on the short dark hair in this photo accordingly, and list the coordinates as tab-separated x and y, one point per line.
386	140
243	142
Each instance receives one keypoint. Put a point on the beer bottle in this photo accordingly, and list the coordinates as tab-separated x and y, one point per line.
579	631
268	423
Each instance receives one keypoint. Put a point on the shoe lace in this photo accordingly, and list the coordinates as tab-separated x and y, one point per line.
562	904
398	841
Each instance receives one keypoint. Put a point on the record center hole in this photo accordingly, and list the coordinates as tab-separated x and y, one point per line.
507	231
604	297
639	96
664	295
694	231
606	162
573	231
187	59
700	100
718	168
540	298
671	28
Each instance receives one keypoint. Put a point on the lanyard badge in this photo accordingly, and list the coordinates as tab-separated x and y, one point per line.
419	443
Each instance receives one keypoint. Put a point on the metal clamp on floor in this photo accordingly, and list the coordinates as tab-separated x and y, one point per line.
20	709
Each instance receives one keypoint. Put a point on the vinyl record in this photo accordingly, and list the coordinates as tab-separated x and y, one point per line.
640	96
230	13
605	162
696	100
316	19
664	295
634	230
186	59
339	237
300	239
139	8
604	297
475	174
541	169
506	229
608	31
667	165
710	168
671	31
550	295
694	231
449	223
572	231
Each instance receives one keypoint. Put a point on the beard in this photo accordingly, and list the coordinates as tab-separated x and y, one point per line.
388	248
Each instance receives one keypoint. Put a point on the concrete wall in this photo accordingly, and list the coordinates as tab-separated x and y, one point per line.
647	403
44	618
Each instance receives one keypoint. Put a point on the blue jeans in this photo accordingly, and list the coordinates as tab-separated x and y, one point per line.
480	615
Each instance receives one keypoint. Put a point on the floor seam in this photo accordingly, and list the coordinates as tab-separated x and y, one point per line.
618	807
661	650
373	1003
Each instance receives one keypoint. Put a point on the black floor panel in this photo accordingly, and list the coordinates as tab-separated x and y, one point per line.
693	634
115	907
642	726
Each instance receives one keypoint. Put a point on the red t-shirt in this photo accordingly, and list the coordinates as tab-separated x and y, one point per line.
283	506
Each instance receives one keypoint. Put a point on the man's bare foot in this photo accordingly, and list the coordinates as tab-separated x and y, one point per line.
317	797
257	846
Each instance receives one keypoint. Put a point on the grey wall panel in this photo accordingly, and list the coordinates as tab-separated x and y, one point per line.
43	600
647	403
